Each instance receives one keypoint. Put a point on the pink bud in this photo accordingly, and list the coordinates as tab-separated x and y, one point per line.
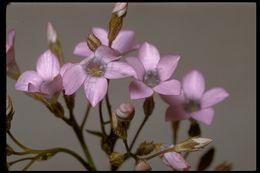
125	111
51	33
120	9
142	166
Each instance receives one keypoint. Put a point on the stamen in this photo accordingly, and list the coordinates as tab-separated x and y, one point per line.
96	67
151	78
192	106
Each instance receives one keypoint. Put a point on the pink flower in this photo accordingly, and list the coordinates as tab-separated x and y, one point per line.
153	73
46	79
194	102
94	71
123	43
175	161
11	66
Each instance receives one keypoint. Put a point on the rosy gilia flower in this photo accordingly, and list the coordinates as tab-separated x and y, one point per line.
94	71
193	102
11	67
153	72
123	43
174	160
46	79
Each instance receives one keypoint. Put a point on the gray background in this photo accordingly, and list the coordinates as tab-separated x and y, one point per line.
219	39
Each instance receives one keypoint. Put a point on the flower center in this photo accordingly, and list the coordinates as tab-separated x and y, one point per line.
192	106
151	78
96	67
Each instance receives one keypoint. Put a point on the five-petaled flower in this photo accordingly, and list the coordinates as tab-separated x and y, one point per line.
153	73
11	67
174	160
124	42
193	101
94	71
46	80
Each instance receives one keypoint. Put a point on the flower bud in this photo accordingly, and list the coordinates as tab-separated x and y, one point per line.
120	9
119	127
125	112
93	42
142	166
145	148
116	159
192	144
51	33
148	106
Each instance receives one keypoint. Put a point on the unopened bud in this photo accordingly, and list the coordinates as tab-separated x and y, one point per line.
142	166
120	9
192	144
145	148
51	33
116	159
119	127
57	109
148	106
125	112
93	42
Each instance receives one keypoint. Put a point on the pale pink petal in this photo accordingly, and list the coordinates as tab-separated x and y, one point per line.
138	67
213	96
193	84
26	78
175	161
107	54
95	89
171	87
65	67
10	39
101	34
82	49
149	56
118	70
33	89
176	113
174	99
167	66
139	90
204	115
124	41
73	78
52	87
48	65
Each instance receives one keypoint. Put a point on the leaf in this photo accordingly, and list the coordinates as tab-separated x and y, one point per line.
194	129
206	159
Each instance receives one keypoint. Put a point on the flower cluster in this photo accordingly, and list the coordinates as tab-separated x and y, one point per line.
150	71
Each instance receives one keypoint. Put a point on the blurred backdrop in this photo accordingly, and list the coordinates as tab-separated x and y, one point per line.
219	39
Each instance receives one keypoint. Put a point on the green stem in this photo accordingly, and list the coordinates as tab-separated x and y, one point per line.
101	118
20	160
138	131
86	116
17	142
159	153
129	153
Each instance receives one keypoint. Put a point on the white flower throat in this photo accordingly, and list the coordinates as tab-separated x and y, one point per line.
96	67
151	78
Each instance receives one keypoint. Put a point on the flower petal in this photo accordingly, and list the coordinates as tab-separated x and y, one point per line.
10	39
176	113
139	90
52	87
107	54
82	49
175	161
193	84
48	65
204	115
171	87
73	78
149	56
213	96
138	67
117	70
95	89
124	41
174	99
65	67
167	66
26	78
101	34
